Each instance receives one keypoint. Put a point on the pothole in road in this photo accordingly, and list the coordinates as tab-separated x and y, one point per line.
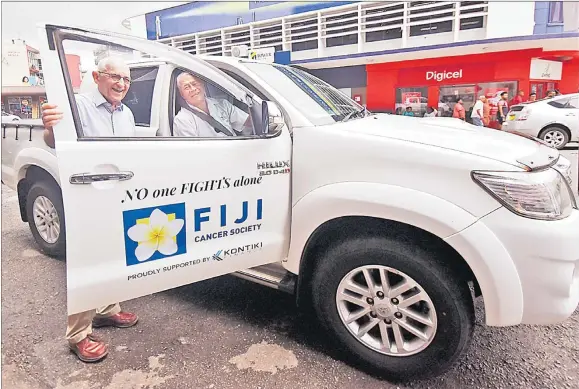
265	357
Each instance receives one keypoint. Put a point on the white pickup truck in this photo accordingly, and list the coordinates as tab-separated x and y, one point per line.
388	226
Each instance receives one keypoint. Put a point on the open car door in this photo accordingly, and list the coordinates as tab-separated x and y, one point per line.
148	213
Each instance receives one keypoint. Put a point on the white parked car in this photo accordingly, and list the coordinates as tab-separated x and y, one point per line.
555	120
9	117
383	223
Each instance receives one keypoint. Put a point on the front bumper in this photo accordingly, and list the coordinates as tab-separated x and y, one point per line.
546	255
539	261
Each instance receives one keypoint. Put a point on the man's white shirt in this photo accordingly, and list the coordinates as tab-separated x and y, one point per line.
99	119
477	106
187	123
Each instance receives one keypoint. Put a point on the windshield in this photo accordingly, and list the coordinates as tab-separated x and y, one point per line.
320	102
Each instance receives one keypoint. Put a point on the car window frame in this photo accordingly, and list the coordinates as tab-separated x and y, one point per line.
173	102
57	35
228	68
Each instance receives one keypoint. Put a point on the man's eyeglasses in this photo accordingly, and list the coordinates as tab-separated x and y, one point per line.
117	77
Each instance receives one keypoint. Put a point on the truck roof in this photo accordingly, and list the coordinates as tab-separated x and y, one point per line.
149	61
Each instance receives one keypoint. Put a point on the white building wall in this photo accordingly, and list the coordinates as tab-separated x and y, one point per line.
501	20
571	16
14	63
138	26
510	18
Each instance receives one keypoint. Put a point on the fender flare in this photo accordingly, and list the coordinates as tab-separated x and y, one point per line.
34	156
422	210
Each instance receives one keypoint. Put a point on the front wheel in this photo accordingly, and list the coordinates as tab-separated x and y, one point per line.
393	308
45	214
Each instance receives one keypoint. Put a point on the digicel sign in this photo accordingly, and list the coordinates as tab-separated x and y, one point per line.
444	75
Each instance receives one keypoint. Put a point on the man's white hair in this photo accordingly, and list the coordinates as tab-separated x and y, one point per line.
184	74
113	63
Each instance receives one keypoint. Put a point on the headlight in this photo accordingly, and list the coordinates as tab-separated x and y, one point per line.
538	195
563	165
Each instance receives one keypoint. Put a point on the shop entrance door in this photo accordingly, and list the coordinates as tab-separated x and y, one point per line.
541	88
449	95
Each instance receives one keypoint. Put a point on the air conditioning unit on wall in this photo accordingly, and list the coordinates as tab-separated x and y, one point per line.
240	51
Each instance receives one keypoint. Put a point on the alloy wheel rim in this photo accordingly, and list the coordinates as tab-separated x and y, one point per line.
46	219
386	310
554	138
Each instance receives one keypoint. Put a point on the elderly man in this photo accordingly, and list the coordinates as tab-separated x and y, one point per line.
477	114
186	123
102	113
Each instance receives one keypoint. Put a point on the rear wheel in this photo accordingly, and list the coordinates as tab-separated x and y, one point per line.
555	137
45	214
393	308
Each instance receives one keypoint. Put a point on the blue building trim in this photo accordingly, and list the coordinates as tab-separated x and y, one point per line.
342	77
199	16
440	46
542	24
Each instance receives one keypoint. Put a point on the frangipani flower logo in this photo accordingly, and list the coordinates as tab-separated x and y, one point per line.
159	234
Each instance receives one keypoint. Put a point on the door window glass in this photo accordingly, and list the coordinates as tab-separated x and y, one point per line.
118	96
566	103
411	100
203	110
113	96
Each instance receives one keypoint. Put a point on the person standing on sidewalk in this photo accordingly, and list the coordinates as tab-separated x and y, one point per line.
503	108
518	99
459	111
478	111
486	112
95	110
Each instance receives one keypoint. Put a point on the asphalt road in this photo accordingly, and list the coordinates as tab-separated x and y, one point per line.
230	333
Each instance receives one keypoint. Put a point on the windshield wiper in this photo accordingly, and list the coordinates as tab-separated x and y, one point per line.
348	116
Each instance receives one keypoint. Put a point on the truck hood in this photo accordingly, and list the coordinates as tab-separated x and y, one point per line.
454	134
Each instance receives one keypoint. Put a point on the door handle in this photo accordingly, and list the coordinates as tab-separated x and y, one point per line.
89	178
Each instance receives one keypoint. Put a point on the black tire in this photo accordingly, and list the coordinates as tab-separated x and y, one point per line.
543	134
451	297
52	192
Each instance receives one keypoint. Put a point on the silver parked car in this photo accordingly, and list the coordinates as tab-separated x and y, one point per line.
9	117
554	120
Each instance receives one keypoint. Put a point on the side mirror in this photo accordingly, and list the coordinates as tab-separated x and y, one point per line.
272	118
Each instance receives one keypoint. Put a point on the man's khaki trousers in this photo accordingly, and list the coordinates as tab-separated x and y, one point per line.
80	324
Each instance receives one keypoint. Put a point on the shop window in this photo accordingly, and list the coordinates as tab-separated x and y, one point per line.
20	106
449	95
414	98
349	25
555	12
493	90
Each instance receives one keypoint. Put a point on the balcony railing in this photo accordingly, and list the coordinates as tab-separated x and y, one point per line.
354	28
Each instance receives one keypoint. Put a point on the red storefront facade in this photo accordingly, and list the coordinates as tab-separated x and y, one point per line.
439	82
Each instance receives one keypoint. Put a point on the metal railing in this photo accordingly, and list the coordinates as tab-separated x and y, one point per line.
354	27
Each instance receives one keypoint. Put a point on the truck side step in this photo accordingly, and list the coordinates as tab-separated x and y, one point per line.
272	275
